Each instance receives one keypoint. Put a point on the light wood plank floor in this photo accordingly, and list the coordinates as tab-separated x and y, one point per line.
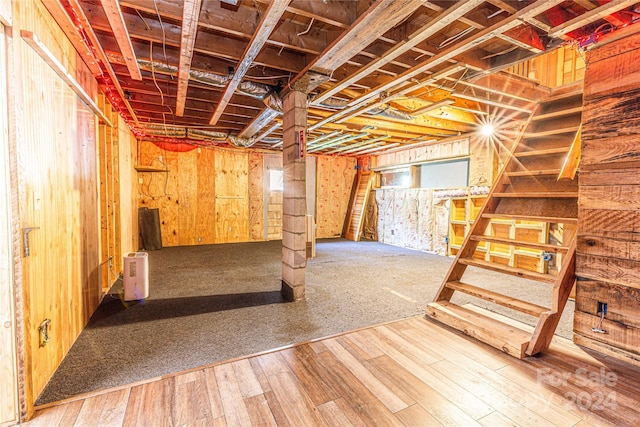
412	372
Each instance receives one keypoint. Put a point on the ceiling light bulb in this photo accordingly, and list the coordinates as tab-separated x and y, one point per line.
487	130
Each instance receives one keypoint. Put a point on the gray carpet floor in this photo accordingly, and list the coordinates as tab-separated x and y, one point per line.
212	303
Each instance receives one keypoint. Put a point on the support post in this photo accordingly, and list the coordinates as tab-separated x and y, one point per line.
294	210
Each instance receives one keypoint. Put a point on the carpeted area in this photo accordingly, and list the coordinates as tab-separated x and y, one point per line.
217	302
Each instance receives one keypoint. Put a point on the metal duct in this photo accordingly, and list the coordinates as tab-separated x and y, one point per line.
390	112
236	141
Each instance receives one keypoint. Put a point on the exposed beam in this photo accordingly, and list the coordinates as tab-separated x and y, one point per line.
62	72
434	106
371	150
359	145
466	44
613	19
431	28
355	110
268	23
211	44
590	16
116	20
381	16
462	46
531	20
190	15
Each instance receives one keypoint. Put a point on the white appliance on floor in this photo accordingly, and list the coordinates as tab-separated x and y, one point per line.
136	276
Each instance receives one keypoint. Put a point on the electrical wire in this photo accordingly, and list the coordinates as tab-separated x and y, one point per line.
308	28
164	36
143	20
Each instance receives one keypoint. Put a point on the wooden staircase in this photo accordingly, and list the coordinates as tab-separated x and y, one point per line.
362	188
532	187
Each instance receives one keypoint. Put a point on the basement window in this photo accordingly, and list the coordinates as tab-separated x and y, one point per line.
450	174
396	178
276	180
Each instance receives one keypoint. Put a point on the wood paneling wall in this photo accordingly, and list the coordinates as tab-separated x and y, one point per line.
54	139
8	366
562	66
118	194
333	188
608	257
216	195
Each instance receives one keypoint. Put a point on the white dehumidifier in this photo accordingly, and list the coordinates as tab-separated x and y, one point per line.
136	276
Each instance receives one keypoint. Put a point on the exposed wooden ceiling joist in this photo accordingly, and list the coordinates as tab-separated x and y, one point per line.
590	16
116	20
190	18
437	24
267	24
370	58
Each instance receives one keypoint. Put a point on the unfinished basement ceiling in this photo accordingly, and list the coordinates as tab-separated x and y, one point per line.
380	74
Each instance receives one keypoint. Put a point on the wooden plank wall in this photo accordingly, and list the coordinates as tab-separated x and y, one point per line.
216	195
8	366
333	185
118	194
608	257
55	145
560	67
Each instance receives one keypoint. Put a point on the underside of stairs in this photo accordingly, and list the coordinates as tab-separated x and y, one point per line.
537	187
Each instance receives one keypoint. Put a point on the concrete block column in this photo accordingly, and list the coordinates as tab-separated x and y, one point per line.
294	258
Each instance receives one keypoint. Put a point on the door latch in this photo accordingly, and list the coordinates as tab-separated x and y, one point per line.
25	239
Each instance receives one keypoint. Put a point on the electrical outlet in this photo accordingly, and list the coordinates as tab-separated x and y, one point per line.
199	239
43	332
602	307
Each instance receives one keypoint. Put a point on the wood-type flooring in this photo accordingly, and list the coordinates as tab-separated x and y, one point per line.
412	372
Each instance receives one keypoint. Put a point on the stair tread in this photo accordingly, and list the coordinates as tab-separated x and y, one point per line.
514	271
508	338
552	172
559	113
545	194
557	131
559	96
553	219
535	245
498	298
532	153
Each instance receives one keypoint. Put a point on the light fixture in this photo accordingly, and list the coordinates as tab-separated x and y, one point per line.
487	129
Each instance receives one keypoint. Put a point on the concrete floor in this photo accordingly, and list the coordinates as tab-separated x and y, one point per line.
217	302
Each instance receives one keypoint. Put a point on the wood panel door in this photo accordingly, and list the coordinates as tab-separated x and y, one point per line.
8	372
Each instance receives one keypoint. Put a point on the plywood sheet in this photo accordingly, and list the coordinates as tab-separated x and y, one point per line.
205	198
335	177
256	196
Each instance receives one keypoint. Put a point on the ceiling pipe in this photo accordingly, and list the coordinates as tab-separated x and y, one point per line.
266	93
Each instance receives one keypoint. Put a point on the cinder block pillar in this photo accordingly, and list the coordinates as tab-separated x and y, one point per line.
294	258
